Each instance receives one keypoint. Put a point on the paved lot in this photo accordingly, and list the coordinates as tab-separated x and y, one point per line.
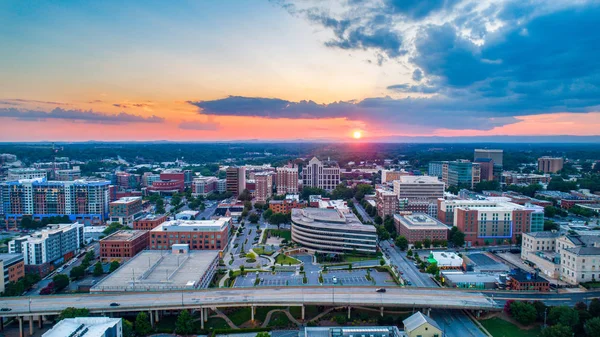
344	277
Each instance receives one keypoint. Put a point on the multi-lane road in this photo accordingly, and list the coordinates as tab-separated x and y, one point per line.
410	272
265	296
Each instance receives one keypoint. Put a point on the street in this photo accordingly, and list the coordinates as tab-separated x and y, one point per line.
411	273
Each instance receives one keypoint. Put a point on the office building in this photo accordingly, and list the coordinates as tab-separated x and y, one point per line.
126	210
550	164
84	201
491	221
435	168
387	176
26	173
461	173
264	185
418	193
287	179
149	221
87	327
58	242
222	185
177	175
198	234
387	202
571	258
236	179
323	175
12	268
166	187
495	155
126	180
204	186
332	231
486	166
176	269
420	226
68	175
123	245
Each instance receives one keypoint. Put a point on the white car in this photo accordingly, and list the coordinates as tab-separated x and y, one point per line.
334	280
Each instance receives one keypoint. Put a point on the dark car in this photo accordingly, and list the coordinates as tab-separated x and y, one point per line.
5	309
380	290
114	304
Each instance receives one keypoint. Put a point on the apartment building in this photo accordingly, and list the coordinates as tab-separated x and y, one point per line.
513	178
126	210
26	173
236	179
420	226
204	186
12	269
68	175
198	234
48	245
461	173
84	201
123	245
550	164
387	202
264	185
287	179
332	231
149	221
285	206
324	175
491	221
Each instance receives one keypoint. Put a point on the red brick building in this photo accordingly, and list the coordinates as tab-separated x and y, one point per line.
149	222
198	234
123	245
13	267
521	281
285	206
420	226
387	202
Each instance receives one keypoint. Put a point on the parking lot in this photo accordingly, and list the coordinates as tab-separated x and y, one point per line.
342	277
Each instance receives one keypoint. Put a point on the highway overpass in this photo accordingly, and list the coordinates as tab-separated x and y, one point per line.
263	296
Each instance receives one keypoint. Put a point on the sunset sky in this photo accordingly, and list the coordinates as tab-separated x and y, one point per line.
306	69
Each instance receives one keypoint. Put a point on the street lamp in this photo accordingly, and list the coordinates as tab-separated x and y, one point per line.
29	304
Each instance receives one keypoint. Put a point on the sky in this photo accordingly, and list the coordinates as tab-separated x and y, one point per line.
297	70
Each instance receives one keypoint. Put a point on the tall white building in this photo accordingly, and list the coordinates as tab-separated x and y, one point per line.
26	173
49	245
419	188
324	175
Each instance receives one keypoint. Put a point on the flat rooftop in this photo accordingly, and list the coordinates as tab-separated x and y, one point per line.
419	221
10	258
124	235
216	225
350	331
126	200
159	270
95	327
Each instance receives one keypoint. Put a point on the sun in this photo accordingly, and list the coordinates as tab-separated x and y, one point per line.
357	134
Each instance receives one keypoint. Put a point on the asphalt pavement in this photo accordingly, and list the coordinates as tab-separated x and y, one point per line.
406	266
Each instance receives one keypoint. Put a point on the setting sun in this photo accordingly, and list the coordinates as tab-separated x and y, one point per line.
357	135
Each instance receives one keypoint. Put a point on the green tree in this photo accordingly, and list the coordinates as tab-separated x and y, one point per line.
128	329
557	330
523	312
160	206
487	185
378	220
594	307
77	272
262	334
433	269
427	243
253	217
267	214
61	281
72	312
409	253
142	324
402	243
184	324
456	237
592	327
98	270
114	266
418	244
564	315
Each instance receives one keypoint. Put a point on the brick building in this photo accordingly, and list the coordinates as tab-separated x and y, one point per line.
12	268
521	281
285	206
420	226
287	180
125	210
149	222
387	202
123	245
198	234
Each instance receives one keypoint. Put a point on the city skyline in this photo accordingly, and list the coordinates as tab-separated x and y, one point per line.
306	70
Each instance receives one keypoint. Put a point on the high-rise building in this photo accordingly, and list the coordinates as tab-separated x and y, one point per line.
264	185
461	173
49	245
487	168
85	201
236	179
435	168
323	175
418	193
550	164
287	179
493	154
